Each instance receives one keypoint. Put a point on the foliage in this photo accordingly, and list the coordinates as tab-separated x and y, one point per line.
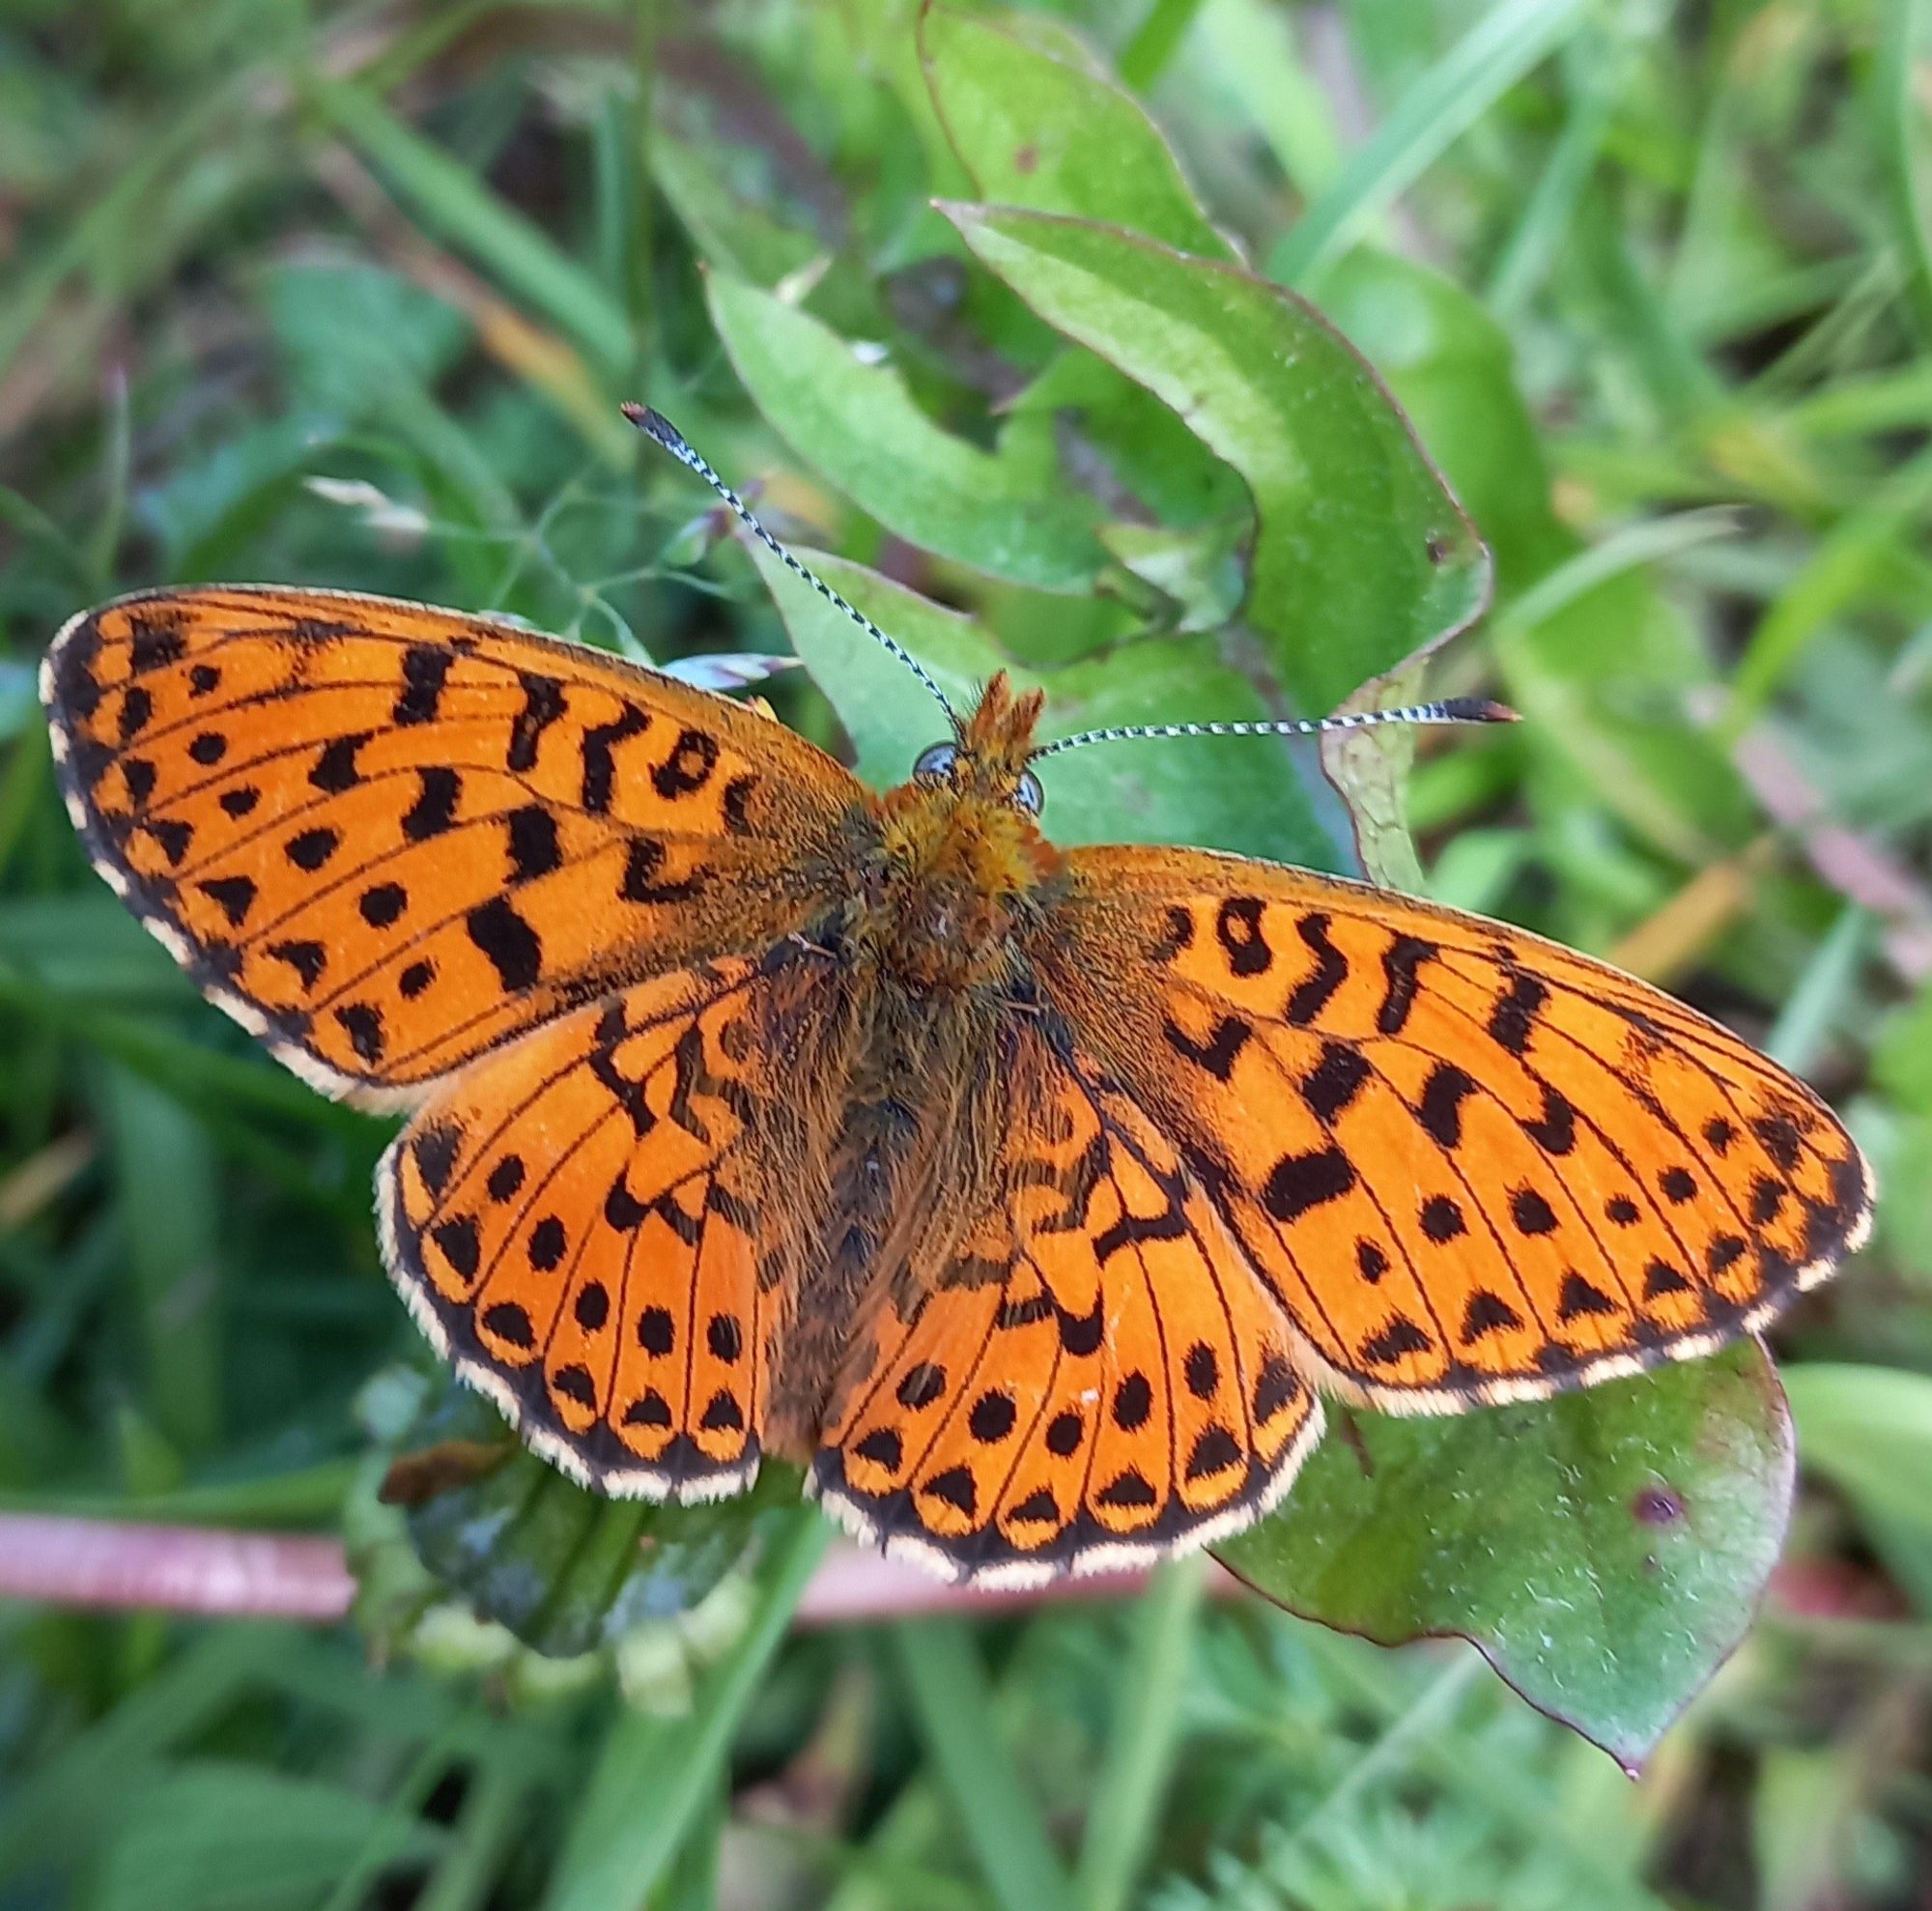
346	296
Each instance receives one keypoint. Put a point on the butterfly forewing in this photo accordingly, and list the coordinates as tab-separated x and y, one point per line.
388	838
1469	1164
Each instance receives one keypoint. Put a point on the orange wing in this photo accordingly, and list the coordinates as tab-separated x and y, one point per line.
1470	1165
386	838
1097	1378
587	1224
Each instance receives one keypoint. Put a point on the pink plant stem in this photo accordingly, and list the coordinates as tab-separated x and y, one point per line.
126	1565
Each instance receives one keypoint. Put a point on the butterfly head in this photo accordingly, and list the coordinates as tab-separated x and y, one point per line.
962	846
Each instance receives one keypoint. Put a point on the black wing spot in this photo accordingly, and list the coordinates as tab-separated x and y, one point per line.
688	766
1038	1508
1512	1018
1062	1437
641	863
531	842
1440	1109
238	801
1126	1491
1239	925
992	1417
138	775
1399	1337
650	1409
723	1413
505	1178
511	1323
1766	1198
382	904
600	762
1310	996
1725	1251
174	835
592	1306
574	1382
1276	1386
1400	961
1719	1133
1662	1278
1218	1053
307	959
1579	1297
233	896
1621	1211
622	1210
543	705
1442	1219
883	1448
1678	1186
954	1486
1202	1371
725	1339
1485	1314
435	808
657	1332
425	668
362	1023
312	848
1531	1213
547	1242
1299	1183
456	1241
1370	1260
335	769
1214	1452
1177	933
1133	1402
1554	1131
733	805
136	708
208	749
435	1151
414	979
1334	1082
921	1386
514	948
156	644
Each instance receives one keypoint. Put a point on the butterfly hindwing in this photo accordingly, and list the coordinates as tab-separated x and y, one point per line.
583	1223
1095	1377
387	837
1469	1164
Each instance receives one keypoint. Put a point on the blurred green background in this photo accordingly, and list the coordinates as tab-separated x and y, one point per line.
348	294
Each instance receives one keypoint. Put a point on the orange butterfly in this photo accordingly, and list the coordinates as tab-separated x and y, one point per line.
1028	1196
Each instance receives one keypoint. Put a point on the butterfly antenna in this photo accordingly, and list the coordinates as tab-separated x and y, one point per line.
1450	710
655	425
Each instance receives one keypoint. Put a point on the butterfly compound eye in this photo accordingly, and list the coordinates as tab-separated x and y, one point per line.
937	761
1028	794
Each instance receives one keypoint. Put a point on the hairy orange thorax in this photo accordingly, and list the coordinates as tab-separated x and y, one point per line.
960	856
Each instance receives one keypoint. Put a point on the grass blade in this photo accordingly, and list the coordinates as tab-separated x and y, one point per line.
947	1685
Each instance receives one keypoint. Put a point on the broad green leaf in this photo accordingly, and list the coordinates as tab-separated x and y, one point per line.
1606	1551
1248	794
1037	128
857	424
562	1569
1362	558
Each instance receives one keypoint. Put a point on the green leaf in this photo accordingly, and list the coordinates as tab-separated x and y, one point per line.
1040	129
1253	796
856	423
1606	1551
1362	558
562	1569
229	1837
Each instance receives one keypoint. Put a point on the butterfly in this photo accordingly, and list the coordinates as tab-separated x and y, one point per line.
1030	1198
